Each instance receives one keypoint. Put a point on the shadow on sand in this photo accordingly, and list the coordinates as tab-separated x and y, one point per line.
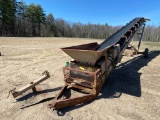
126	78
30	95
38	93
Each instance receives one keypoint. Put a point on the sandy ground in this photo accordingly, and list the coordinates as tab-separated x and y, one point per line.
132	90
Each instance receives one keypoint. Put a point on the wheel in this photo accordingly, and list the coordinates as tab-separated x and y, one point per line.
146	53
60	113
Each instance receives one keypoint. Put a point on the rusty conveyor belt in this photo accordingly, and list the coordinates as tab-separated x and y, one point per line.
113	39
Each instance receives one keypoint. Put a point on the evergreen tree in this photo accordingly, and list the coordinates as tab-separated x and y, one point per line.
51	25
35	14
30	14
21	18
8	16
40	17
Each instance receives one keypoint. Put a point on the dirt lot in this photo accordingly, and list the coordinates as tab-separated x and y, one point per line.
132	90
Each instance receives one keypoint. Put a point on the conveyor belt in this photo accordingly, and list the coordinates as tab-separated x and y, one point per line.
112	40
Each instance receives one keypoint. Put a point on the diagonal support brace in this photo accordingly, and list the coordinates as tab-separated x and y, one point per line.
16	93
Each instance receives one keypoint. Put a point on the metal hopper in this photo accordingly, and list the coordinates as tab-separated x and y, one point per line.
84	53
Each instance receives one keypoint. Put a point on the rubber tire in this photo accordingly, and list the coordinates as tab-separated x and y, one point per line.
146	53
60	113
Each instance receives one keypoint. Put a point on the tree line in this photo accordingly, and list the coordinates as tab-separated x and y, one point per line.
19	19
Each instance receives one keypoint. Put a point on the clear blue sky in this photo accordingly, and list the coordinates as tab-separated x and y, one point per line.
113	12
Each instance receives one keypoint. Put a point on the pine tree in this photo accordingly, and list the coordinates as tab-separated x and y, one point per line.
21	18
40	17
30	14
51	25
35	14
8	9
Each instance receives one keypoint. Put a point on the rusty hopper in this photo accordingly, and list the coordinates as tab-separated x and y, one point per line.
86	53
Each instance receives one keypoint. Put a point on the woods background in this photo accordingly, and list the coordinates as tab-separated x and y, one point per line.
18	19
